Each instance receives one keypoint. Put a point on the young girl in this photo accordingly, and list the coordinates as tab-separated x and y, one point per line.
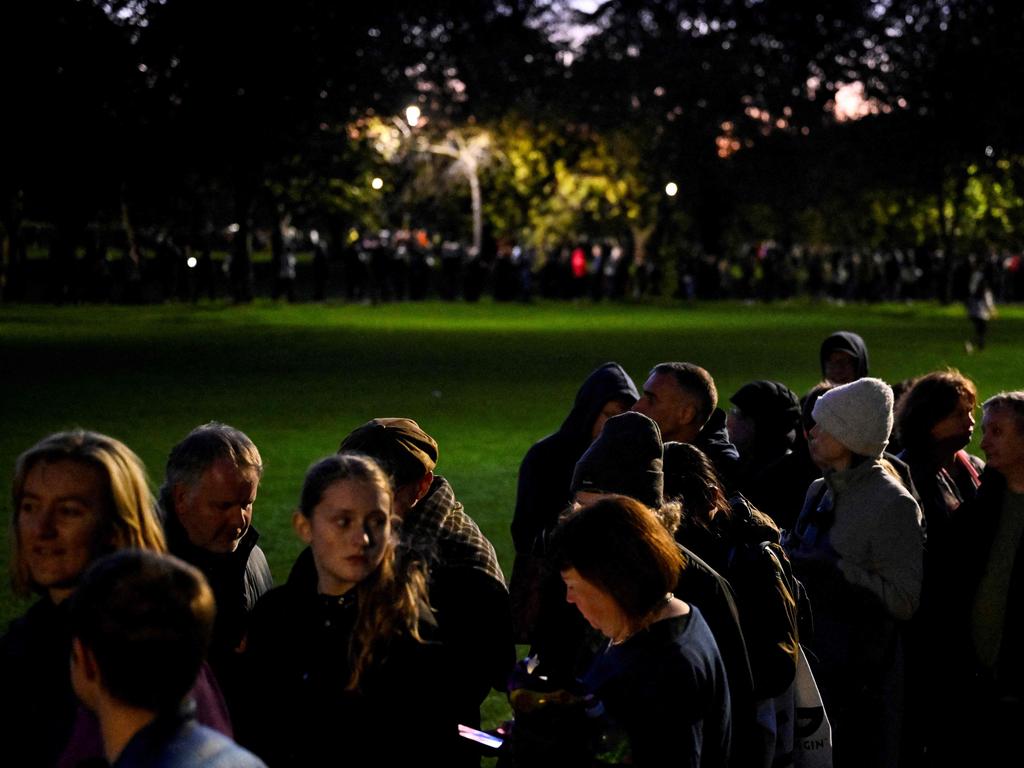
343	669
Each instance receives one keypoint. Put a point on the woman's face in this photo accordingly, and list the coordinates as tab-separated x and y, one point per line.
826	451
956	429
597	606
59	514
347	531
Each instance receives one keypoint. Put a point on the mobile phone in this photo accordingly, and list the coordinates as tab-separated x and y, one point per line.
481	737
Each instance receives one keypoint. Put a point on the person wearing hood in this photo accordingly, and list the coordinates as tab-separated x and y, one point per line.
683	400
844	358
765	426
544	477
858	547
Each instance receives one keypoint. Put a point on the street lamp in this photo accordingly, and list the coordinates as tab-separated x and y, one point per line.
671	189
377	182
412	115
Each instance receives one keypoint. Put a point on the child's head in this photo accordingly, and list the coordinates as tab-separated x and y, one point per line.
345	516
141	623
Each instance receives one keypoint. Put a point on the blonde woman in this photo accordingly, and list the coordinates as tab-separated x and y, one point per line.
77	496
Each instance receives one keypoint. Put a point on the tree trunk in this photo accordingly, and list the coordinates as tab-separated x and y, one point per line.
475	197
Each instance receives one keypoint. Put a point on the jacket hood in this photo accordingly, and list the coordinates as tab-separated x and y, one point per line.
845	341
714	438
609	382
775	410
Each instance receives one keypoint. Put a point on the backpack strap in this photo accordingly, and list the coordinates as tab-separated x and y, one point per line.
964	458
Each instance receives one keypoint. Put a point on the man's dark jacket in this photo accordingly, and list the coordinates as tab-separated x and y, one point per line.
714	441
238	579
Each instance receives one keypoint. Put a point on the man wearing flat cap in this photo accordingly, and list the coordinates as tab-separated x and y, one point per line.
467	587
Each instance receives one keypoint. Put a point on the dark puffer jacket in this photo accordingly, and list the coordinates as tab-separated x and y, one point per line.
238	579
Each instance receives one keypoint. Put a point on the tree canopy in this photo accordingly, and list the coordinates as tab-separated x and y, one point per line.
840	123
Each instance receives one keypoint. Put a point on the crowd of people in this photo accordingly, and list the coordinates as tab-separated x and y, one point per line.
676	566
411	265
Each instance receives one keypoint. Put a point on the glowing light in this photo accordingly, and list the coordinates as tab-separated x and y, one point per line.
377	182
671	189
412	115
192	262
233	228
852	103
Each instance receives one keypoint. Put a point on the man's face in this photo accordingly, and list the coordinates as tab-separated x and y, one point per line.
1002	440
217	511
840	367
670	407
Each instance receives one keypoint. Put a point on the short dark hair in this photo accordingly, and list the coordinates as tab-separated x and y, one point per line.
147	618
695	381
197	452
619	545
927	401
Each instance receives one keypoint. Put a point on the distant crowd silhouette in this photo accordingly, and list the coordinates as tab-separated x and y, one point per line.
411	265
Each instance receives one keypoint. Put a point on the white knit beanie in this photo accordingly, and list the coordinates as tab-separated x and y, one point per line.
858	415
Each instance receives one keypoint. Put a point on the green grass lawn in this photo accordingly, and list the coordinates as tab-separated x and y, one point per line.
486	380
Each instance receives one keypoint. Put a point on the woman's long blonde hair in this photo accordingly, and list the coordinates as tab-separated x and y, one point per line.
130	517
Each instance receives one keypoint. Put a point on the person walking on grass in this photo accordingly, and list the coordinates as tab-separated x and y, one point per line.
981	305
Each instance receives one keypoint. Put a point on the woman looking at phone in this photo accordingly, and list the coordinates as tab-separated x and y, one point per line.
660	679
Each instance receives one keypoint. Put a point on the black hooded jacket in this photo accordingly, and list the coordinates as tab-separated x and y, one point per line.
846	341
776	469
546	471
714	441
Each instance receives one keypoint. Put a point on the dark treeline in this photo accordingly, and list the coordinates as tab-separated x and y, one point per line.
685	131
